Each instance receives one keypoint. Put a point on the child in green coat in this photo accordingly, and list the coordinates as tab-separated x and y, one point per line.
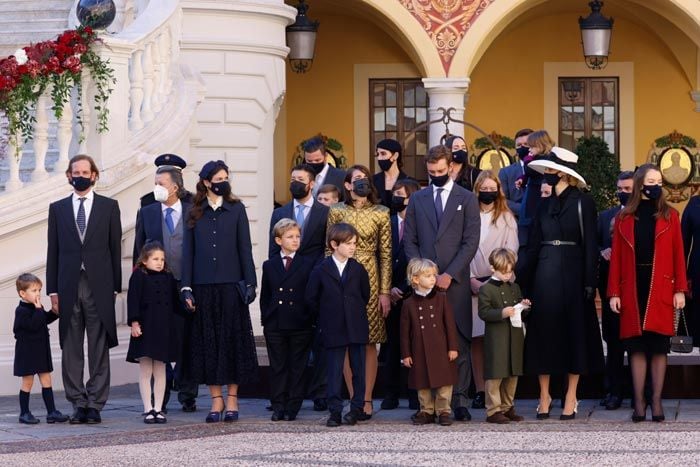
501	307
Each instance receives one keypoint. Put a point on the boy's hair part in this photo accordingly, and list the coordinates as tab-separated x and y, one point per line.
418	266
340	233
329	188
283	226
25	280
502	258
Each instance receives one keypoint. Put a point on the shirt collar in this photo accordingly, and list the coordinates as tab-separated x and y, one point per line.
177	207
422	294
322	174
217	204
89	196
291	255
338	263
308	203
447	187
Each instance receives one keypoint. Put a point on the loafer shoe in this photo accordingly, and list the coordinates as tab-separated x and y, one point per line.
92	416
56	417
28	419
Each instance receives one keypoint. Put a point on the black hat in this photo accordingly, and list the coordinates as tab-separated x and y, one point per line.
170	159
390	145
210	168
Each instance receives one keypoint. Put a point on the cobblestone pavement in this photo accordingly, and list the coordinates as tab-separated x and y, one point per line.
596	437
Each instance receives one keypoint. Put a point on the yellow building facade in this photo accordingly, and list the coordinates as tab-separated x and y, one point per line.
499	62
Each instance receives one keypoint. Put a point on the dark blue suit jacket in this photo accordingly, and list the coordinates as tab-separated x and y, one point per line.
217	249
508	176
282	302
149	225
604	241
336	177
341	303
399	262
313	237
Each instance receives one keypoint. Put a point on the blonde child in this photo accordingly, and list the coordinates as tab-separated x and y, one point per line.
429	343
501	306
156	326
33	349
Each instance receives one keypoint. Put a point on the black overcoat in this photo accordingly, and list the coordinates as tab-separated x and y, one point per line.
282	303
563	335
32	346
100	253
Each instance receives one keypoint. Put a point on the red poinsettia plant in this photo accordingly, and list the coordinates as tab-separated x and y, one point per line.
58	63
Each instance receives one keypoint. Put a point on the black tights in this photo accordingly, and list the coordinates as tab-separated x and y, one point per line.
638	365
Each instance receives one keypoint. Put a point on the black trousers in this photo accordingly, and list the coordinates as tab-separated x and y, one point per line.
615	359
318	383
85	320
394	380
288	352
336	361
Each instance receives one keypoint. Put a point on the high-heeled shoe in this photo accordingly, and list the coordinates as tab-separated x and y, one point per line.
363	416
214	416
543	415
231	415
658	418
570	416
638	418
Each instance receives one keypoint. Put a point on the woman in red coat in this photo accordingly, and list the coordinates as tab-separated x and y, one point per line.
647	282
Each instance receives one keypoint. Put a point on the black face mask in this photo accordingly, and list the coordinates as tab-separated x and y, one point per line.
459	157
385	164
488	197
221	188
522	152
81	183
551	179
652	191
397	203
317	167
361	187
440	180
623	197
298	189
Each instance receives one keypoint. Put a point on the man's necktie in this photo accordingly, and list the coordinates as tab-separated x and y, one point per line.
300	215
169	220
438	204
401	230
80	219
287	262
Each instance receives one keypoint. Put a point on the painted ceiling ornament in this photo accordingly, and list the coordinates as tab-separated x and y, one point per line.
446	22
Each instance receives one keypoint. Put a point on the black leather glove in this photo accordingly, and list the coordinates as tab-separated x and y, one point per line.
250	294
588	293
187	295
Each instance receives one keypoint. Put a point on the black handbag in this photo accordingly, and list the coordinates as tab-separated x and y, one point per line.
681	343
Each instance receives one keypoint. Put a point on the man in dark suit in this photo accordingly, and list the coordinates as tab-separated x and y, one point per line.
167	160
312	217
315	156
510	175
443	225
164	221
615	360
83	277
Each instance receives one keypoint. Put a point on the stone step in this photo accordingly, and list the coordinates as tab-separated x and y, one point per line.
35	5
27	16
9	26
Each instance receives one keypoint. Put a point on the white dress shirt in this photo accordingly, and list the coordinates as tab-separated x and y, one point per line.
307	207
87	205
446	188
339	265
217	203
177	211
321	177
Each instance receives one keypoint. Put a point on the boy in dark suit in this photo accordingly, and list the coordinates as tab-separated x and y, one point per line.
338	290
287	323
33	349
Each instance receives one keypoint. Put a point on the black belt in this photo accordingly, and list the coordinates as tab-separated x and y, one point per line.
559	243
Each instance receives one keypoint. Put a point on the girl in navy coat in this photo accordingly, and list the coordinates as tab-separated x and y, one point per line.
338	291
156	328
33	349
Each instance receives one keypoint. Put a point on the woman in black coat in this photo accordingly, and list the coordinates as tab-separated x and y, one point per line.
559	270
389	160
218	284
690	226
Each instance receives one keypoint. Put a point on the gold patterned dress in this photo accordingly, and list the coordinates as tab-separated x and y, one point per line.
374	243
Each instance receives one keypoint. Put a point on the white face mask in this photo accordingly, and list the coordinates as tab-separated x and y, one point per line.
160	193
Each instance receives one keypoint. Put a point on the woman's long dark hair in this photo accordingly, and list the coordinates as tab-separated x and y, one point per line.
373	197
200	201
662	207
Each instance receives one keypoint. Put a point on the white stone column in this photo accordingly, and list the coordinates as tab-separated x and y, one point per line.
445	93
239	49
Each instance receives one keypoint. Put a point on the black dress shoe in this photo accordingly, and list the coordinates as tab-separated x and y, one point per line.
604	400
93	416
28	419
277	416
462	414
613	403
638	418
79	416
189	406
333	421
289	417
56	417
413	404
268	408
389	403
351	417
479	401
320	405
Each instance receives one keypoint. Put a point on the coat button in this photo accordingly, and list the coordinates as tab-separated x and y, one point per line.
431	307
434	325
280	302
291	303
215	231
281	289
214	245
214	259
291	290
422	327
432	316
420	317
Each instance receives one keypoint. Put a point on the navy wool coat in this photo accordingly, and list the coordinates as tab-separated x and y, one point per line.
32	346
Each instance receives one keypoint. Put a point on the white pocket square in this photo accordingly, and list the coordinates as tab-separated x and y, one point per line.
459	208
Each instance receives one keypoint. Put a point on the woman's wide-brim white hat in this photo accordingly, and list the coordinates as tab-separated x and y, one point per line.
559	159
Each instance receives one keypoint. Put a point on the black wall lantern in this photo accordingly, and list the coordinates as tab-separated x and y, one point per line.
596	31
301	40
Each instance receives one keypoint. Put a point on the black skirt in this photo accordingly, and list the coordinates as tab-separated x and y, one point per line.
649	342
220	344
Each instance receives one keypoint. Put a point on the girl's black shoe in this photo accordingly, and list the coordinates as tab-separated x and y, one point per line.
638	418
